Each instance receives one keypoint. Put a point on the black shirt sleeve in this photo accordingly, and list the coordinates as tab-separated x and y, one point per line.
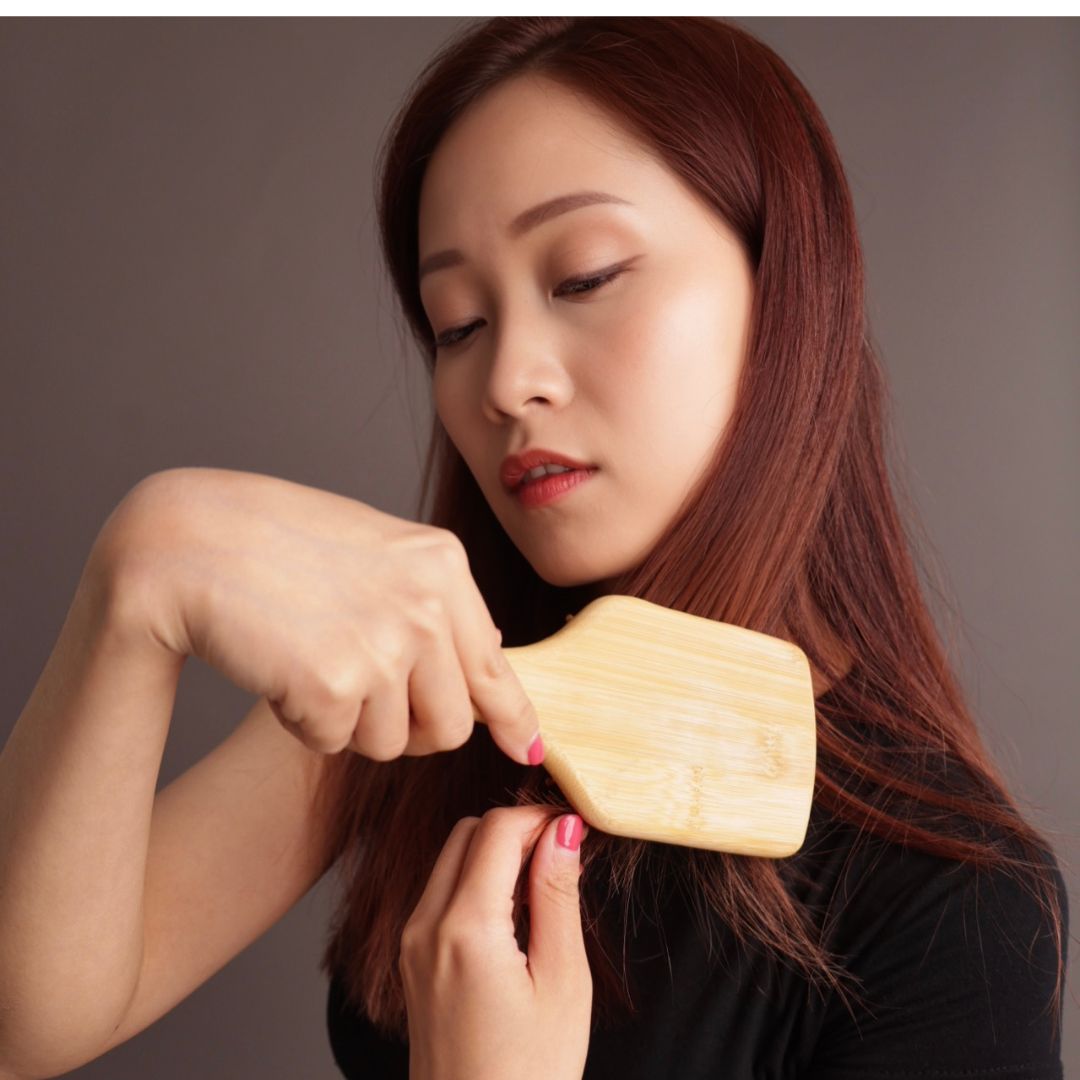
958	971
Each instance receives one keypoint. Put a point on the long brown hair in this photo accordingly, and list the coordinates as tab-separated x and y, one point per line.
795	531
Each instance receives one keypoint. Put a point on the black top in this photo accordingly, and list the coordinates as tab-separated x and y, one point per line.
957	974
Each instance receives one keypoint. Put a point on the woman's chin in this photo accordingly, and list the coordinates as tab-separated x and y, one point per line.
594	583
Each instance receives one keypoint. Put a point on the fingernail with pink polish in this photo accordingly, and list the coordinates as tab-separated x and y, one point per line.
568	832
536	750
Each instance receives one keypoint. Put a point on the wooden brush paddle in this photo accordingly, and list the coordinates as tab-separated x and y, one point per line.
666	726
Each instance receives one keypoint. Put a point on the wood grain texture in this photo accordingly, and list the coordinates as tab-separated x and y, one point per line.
666	726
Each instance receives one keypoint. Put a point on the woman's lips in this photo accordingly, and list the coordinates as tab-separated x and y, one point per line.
516	467
548	489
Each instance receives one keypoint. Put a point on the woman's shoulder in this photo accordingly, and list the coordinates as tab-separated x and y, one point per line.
957	963
868	884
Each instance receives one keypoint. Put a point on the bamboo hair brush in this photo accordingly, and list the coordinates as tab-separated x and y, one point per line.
665	726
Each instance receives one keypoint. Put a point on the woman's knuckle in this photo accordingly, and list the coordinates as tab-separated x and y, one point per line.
400	745
317	741
393	741
450	543
428	614
493	666
449	556
458	732
377	753
385	750
385	655
498	817
326	738
337	683
464	825
560	888
455	940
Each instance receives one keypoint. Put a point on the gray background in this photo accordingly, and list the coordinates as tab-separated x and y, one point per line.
190	277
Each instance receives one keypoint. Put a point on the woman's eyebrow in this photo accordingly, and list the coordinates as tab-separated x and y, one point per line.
524	222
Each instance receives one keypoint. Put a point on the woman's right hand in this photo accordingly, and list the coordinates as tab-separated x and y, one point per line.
363	630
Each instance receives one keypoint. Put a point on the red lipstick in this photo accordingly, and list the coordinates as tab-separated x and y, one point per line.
516	466
545	489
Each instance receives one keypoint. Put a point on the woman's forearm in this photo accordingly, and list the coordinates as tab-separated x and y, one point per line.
77	784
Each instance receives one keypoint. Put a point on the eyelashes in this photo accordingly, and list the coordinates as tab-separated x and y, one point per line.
573	287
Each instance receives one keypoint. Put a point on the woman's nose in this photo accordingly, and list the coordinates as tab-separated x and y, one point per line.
525	370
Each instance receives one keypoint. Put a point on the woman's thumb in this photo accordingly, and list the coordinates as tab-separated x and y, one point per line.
556	943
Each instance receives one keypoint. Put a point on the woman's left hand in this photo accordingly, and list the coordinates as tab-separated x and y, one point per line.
478	1007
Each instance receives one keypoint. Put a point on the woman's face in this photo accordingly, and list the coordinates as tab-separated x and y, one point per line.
635	376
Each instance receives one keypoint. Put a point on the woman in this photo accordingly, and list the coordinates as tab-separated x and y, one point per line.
699	339
690	330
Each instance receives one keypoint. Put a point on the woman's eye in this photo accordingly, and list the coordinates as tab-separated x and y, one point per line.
454	337
588	284
572	288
